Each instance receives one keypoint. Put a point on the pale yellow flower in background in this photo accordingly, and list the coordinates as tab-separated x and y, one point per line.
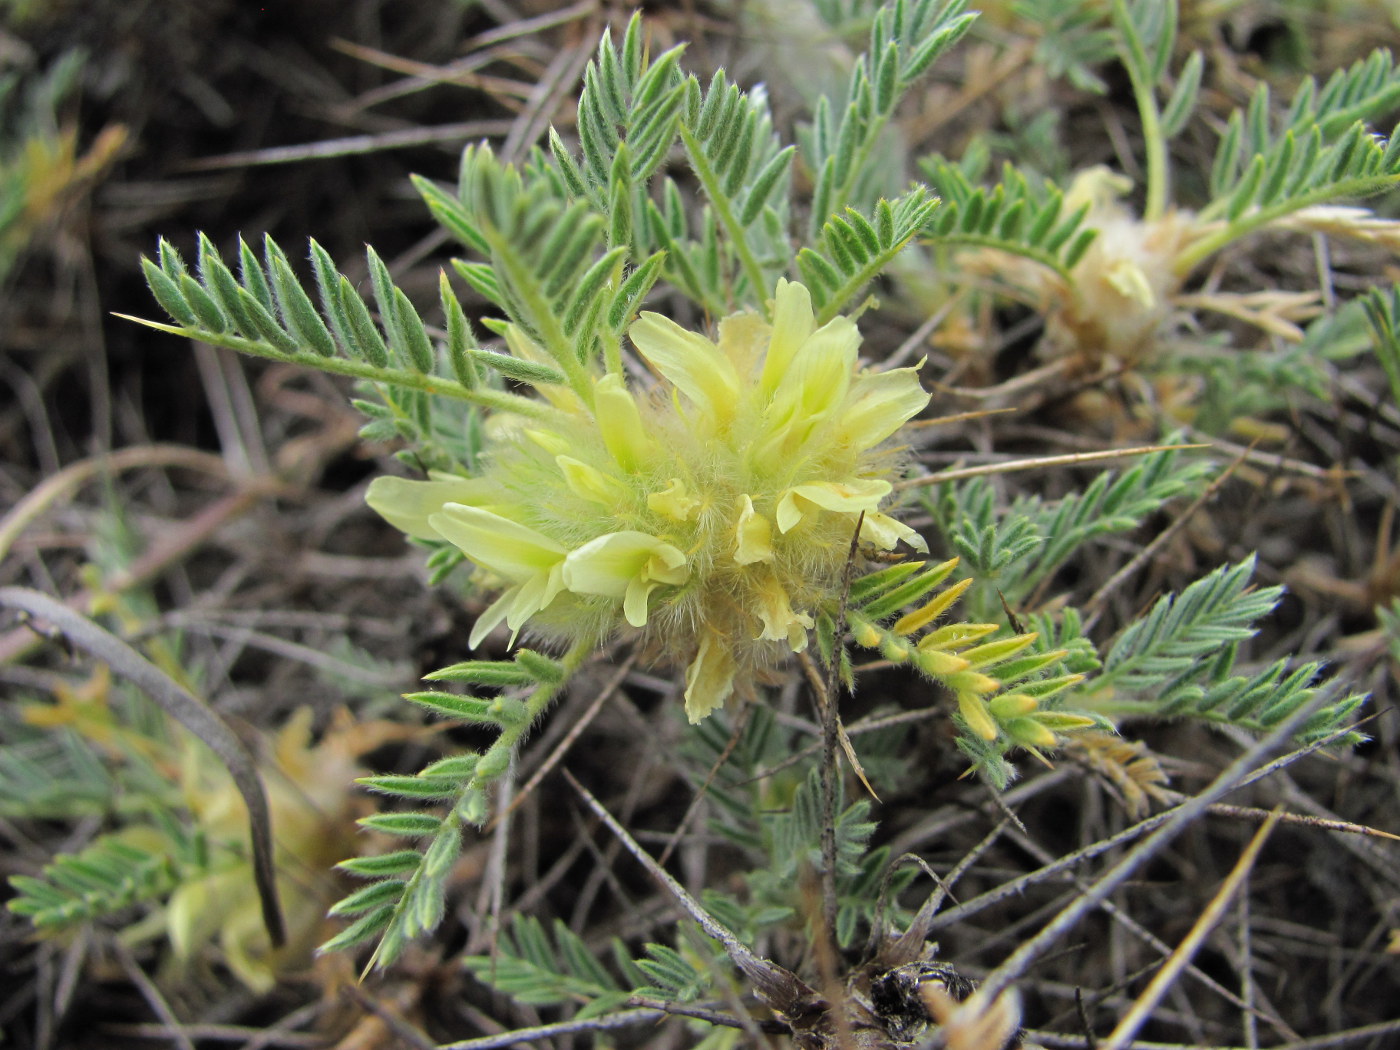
1118	299
712	514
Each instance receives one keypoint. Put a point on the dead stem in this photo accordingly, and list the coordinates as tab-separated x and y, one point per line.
1177	820
1037	463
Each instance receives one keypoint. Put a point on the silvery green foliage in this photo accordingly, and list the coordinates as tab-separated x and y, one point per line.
1319	150
1019	547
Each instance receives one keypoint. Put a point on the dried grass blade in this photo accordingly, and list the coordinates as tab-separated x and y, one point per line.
1139	1012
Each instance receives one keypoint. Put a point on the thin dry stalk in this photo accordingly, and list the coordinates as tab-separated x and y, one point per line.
1011	466
1176	822
1142	1009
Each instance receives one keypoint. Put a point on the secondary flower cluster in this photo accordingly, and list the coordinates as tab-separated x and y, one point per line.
712	513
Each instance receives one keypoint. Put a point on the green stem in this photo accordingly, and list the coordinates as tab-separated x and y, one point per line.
556	343
537	701
503	748
496	400
1209	244
405	911
612	351
731	225
845	191
1136	61
853	284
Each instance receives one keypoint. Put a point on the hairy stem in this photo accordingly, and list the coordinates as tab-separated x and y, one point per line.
429	384
737	236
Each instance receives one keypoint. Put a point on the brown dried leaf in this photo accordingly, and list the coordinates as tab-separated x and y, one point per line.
1128	767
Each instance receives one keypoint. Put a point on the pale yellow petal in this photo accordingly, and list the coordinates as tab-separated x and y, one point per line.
885	532
674	501
491	618
743	338
709	679
634	601
407	505
535	594
608	564
244	945
753	535
825	362
793	323
849	497
1099	187
1128	280
590	483
189	918
690	363
780	622
551	441
665	565
880	404
620	423
811	392
504	546
668	565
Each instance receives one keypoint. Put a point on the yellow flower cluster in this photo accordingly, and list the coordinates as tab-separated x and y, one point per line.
712	512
